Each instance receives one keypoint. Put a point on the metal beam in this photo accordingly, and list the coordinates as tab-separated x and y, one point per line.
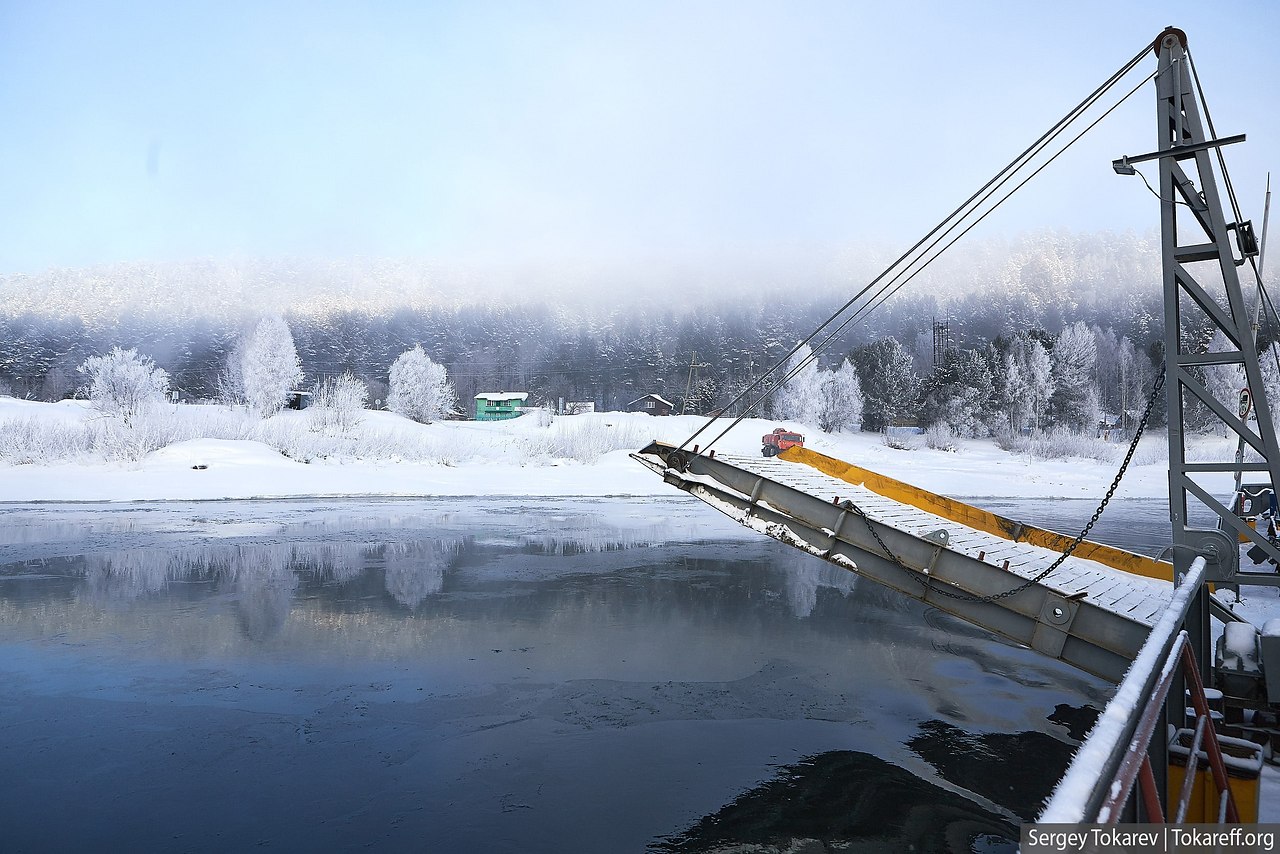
1182	152
1183	141
1068	627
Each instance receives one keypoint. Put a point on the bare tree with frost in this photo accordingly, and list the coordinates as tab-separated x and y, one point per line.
841	399
1074	403
125	384
337	404
1269	367
1136	377
230	382
420	388
801	398
1012	390
1037	370
1223	381
270	366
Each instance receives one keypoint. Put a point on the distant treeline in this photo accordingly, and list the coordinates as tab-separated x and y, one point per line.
586	352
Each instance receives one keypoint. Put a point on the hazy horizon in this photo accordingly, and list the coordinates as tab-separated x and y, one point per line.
569	135
831	274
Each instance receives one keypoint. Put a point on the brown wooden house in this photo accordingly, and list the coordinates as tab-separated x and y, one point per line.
652	404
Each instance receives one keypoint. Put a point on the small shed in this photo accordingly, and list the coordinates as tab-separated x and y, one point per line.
500	405
652	404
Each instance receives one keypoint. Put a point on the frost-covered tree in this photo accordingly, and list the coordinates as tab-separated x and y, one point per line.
1136	377
1269	367
1074	403
1037	369
420	388
124	384
841	399
1022	383
957	398
230	382
801	397
889	382
338	403
269	366
703	396
1011	391
1223	381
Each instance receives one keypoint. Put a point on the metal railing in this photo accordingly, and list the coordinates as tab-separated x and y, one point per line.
1114	757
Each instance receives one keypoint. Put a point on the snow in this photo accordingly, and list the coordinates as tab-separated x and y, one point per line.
655	397
420	388
269	365
582	455
1067	803
1240	646
503	395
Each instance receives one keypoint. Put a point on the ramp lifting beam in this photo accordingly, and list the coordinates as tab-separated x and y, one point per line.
946	570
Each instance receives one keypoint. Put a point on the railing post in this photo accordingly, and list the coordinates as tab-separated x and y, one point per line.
1129	744
1158	749
1214	750
1152	806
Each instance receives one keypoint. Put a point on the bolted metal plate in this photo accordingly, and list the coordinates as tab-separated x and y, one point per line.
939	537
1220	551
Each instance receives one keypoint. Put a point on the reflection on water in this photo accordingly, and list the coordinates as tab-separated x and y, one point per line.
267	579
487	669
1016	770
414	571
860	802
264	577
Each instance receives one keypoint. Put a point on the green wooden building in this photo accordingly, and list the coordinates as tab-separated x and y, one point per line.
499	405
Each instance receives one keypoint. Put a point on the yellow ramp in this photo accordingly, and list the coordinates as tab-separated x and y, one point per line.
976	517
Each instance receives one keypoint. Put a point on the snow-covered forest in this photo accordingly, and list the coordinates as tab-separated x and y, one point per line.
1053	331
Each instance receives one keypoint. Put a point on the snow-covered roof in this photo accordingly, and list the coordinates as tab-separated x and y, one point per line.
656	397
502	395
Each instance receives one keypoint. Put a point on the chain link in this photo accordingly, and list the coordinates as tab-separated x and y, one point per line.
1066	553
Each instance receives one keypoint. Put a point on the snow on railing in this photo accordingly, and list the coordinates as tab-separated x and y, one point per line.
1099	774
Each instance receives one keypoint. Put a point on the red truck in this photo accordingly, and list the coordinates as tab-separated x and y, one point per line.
779	440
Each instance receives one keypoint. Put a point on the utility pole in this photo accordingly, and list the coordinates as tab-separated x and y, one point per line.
688	386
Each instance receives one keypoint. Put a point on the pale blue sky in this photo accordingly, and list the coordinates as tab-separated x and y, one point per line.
568	131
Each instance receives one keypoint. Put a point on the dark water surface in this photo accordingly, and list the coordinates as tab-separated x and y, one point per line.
515	675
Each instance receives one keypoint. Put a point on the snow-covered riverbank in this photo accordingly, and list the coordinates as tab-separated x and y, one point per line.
580	455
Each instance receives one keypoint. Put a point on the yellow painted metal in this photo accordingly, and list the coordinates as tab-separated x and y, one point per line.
1244	772
976	517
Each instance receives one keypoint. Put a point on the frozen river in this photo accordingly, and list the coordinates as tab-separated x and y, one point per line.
507	675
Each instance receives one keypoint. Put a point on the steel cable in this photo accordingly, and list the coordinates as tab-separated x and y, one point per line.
906	274
961	212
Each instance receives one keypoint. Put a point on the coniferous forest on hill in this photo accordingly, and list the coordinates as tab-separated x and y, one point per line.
613	339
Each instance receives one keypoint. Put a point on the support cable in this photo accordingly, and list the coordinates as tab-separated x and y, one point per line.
885	296
960	212
1266	298
903	277
1213	134
1231	195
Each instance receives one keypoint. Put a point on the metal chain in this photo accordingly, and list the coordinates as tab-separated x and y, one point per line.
1115	483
